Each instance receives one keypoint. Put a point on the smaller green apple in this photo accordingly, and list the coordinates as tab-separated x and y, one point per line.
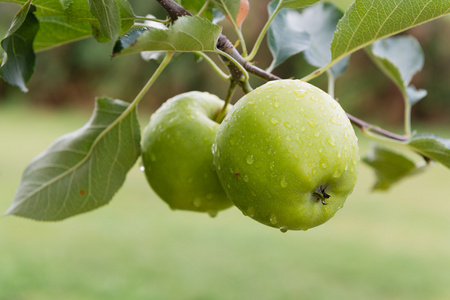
177	153
287	155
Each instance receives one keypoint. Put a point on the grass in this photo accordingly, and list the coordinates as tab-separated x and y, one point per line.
391	245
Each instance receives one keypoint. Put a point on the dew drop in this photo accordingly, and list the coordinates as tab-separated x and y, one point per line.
323	165
212	213
250	212
311	123
317	134
283	183
273	220
306	154
314	99
142	168
250	159
276	105
288	138
272	165
300	93
197	202
274	121
283	229
245	178
303	128
287	125
331	141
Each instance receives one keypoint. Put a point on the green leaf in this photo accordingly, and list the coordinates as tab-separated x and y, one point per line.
82	170
19	59
325	17
404	52
229	8
390	167
107	13
297	3
285	37
432	146
369	20
66	21
414	95
104	25
400	58
187	34
56	31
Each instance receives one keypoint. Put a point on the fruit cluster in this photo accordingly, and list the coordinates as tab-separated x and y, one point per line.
286	154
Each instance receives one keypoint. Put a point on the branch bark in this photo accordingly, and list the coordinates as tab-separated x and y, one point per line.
175	11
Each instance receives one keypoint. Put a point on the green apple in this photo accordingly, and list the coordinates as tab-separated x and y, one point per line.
287	155
177	153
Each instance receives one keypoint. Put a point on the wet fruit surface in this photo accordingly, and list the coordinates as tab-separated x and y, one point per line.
295	151
177	156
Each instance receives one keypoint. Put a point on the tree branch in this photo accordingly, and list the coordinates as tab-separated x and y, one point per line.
175	11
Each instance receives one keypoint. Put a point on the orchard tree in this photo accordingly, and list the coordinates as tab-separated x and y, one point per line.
285	154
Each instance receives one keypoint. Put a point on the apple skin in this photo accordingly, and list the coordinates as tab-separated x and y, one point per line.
177	153
287	155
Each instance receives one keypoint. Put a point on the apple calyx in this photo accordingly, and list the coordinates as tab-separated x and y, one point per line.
320	194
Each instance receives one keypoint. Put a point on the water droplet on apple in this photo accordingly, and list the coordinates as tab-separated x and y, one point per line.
283	229
300	93
283	183
274	121
245	178
317	134
272	165
273	219
250	159
250	212
287	125
311	123
197	202
323	165
288	138
276	105
306	154
142	168
212	213
331	141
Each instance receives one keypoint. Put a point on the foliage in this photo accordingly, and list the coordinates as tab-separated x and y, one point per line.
54	182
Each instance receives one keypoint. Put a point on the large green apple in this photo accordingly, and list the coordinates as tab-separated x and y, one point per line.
287	155
177	153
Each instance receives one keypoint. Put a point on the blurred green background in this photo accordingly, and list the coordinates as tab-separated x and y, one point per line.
392	245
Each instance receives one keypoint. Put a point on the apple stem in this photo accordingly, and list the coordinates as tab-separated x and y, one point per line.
221	115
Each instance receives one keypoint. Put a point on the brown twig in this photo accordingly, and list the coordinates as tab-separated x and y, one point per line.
175	11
